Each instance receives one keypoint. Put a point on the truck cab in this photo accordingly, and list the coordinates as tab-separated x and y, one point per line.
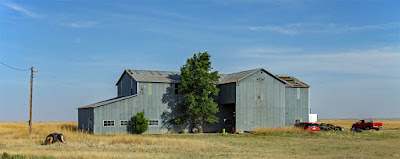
367	124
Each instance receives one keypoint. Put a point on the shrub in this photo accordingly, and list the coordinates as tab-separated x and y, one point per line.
140	124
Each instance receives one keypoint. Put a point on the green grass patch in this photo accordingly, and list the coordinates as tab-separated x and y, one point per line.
5	155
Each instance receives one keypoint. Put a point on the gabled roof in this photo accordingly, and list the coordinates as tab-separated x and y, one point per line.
108	101
236	77
293	82
175	77
153	76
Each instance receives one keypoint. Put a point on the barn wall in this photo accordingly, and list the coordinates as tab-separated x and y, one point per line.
126	86
260	102
84	122
297	105
156	99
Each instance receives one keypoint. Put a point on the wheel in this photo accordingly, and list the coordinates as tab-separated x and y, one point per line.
367	128
377	129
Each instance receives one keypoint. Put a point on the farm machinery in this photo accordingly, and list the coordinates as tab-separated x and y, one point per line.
330	127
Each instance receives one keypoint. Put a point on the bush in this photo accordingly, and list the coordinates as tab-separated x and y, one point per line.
140	124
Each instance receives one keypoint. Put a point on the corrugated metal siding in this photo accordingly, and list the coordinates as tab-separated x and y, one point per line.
297	105
227	93
155	99
128	86
83	119
260	102
259	99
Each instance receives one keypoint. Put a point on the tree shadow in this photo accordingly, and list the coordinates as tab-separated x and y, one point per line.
129	127
173	99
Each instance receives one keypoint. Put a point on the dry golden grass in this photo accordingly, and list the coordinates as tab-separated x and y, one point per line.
15	139
283	142
386	123
280	130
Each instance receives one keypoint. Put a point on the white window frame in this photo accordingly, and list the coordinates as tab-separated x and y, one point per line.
109	120
153	121
120	123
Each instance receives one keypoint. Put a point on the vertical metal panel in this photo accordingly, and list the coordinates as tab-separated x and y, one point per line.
84	116
126	86
157	106
297	105
260	102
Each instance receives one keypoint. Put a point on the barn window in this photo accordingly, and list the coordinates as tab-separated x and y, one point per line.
108	123
125	122
176	88
153	122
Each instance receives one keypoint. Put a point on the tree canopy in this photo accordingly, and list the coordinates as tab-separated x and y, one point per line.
199	85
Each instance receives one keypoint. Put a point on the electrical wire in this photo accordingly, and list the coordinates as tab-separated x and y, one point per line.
14	68
65	84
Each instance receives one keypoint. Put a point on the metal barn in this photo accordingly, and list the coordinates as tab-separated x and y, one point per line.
257	98
138	90
247	100
297	100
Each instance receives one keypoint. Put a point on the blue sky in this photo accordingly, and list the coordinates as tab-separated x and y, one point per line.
348	51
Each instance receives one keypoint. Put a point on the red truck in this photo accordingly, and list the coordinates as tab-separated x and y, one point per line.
367	124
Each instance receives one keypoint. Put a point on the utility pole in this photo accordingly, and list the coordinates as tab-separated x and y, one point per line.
30	112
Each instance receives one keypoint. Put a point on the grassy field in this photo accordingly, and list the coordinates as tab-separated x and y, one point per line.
267	143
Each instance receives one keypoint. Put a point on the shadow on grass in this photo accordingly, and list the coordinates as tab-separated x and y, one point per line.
8	156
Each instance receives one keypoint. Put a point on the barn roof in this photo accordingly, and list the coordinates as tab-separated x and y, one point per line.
108	101
175	77
153	76
293	82
235	77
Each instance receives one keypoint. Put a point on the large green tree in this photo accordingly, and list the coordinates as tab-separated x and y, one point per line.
199	85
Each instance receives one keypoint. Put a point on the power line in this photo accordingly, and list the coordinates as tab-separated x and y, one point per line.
15	68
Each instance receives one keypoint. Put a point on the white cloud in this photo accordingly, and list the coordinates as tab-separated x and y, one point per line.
288	29
297	28
81	24
377	62
345	28
260	52
22	10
